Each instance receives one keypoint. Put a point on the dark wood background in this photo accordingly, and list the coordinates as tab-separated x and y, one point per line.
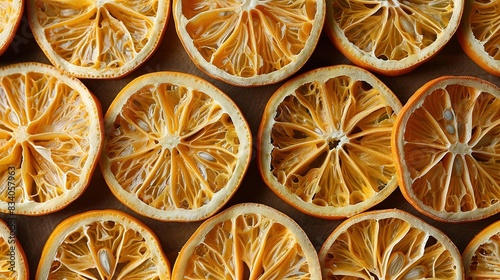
32	232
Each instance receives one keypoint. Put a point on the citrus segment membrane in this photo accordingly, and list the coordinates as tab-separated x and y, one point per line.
177	147
481	257
249	42
479	34
248	241
391	37
325	140
12	12
102	244
447	148
13	263
389	244
98	39
51	136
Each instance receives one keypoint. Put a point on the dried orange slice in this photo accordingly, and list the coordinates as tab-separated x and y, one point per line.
12	12
249	43
13	262
248	241
325	141
479	33
481	257
102	244
391	37
446	147
389	244
98	39
176	147
51	135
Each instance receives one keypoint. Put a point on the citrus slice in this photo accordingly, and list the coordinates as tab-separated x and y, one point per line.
389	244
479	33
391	37
481	257
51	135
176	148
98	39
248	241
249	43
325	141
102	244
446	147
13	262
12	12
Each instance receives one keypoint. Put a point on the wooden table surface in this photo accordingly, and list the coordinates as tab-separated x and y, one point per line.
32	232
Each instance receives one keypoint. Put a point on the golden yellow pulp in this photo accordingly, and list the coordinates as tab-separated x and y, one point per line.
452	144
388	248
485	24
104	250
172	147
392	30
248	246
249	38
332	142
97	34
45	137
485	262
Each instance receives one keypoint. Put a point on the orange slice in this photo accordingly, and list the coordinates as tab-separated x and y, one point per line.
13	262
51	135
479	33
103	244
325	141
98	39
176	148
12	12
249	43
391	37
481	257
248	241
389	244
446	147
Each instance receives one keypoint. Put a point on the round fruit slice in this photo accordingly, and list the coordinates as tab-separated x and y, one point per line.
389	244
325	141
102	244
391	37
98	39
249	43
12	12
479	33
176	147
51	136
447	151
481	257
248	241
13	262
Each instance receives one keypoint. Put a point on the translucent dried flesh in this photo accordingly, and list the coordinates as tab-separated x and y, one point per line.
249	38
248	246
105	249
8	11
482	254
486	260
5	261
392	30
452	150
172	147
485	24
11	13
45	137
388	248
332	142
98	35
